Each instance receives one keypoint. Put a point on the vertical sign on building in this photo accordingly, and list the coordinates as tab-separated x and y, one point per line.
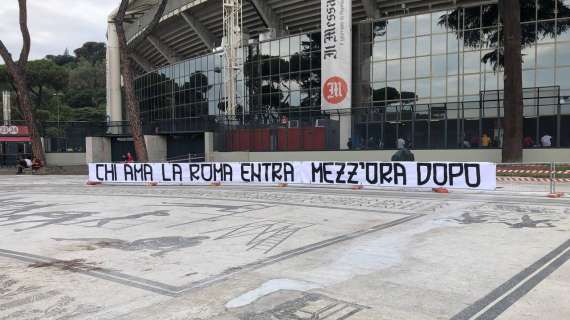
6	107
336	54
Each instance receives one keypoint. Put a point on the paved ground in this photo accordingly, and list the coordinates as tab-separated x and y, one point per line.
265	253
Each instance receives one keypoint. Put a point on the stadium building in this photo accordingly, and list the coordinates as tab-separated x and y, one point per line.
428	72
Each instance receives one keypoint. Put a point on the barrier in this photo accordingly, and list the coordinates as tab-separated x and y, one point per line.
551	174
449	175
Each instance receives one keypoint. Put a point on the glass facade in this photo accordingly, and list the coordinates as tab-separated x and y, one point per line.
434	79
279	77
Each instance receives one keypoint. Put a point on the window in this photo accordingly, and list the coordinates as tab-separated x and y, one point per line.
408	68
408	26
393	70
545	55
393	29
423	67
393	49
408	47
423	46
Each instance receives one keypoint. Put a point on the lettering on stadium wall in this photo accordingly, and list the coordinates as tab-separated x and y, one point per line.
460	175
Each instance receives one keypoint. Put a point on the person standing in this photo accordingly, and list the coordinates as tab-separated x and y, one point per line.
20	165
546	140
130	158
466	142
485	141
403	155
475	141
400	143
528	142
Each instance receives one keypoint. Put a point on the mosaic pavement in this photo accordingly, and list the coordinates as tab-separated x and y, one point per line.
68	251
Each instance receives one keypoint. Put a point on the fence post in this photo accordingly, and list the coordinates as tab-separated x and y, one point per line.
552	187
554	177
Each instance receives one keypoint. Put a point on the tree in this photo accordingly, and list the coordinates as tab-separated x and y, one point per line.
487	16
6	82
506	50
18	75
93	52
86	87
42	74
513	123
62	59
264	85
127	72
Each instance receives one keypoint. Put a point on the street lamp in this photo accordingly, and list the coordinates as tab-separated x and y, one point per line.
58	107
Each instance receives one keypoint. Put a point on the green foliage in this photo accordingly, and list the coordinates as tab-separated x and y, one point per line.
5	80
94	52
42	115
488	16
64	59
89	114
64	87
54	132
46	74
86	85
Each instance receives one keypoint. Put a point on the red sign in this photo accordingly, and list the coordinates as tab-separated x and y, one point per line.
15	139
14	131
335	90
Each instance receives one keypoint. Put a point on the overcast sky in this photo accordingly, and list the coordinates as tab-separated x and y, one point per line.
55	24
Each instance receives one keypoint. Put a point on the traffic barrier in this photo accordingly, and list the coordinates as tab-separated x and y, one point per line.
550	174
440	190
530	179
556	195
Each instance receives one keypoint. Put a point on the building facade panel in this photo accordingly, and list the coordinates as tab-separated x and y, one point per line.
434	79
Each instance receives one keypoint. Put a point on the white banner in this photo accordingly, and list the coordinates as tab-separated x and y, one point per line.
453	175
336	54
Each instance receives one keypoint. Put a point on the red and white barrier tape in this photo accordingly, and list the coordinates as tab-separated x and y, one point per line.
531	171
530	179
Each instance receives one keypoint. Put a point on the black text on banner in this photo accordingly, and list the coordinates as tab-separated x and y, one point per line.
460	175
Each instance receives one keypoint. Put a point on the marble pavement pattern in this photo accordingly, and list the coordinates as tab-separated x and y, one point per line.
68	251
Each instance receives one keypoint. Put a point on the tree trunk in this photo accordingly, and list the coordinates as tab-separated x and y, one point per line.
513	101
17	72
127	72
133	111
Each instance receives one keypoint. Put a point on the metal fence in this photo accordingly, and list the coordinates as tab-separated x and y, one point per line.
191	157
549	177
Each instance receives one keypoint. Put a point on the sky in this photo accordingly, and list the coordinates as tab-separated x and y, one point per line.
55	25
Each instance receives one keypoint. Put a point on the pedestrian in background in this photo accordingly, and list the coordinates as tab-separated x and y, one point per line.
528	142
485	141
400	143
546	140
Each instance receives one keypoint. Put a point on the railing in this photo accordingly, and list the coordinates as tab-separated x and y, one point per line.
191	157
554	176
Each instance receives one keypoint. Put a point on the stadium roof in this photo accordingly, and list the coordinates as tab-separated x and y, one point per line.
194	27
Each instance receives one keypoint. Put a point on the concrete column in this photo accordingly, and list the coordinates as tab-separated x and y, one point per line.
114	107
97	149
156	148
6	107
208	146
345	131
